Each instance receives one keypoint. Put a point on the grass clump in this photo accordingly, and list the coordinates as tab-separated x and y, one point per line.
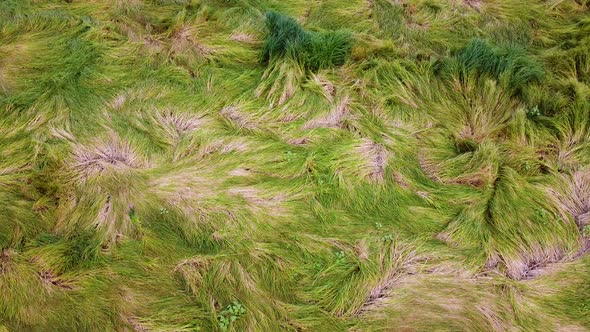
509	65
312	50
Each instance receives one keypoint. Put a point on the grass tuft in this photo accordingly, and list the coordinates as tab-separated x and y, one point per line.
509	64
311	50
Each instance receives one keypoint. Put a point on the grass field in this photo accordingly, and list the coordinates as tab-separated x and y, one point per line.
292	165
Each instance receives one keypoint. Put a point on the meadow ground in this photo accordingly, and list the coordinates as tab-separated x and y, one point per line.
292	165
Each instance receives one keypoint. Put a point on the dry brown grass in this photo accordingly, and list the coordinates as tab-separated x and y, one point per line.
234	115
574	199
178	124
261	202
101	157
376	156
184	40
243	37
334	119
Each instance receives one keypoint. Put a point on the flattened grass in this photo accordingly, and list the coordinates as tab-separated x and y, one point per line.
333	166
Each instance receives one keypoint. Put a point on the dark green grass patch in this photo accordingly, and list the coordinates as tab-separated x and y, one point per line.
312	50
509	65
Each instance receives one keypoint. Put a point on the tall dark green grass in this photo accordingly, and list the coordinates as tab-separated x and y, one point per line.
509	64
312	50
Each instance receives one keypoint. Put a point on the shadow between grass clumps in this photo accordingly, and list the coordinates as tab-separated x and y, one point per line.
311	50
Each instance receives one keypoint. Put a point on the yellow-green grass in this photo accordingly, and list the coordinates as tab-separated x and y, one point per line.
266	165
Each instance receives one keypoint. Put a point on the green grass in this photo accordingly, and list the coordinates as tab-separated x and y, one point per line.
311	50
264	165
